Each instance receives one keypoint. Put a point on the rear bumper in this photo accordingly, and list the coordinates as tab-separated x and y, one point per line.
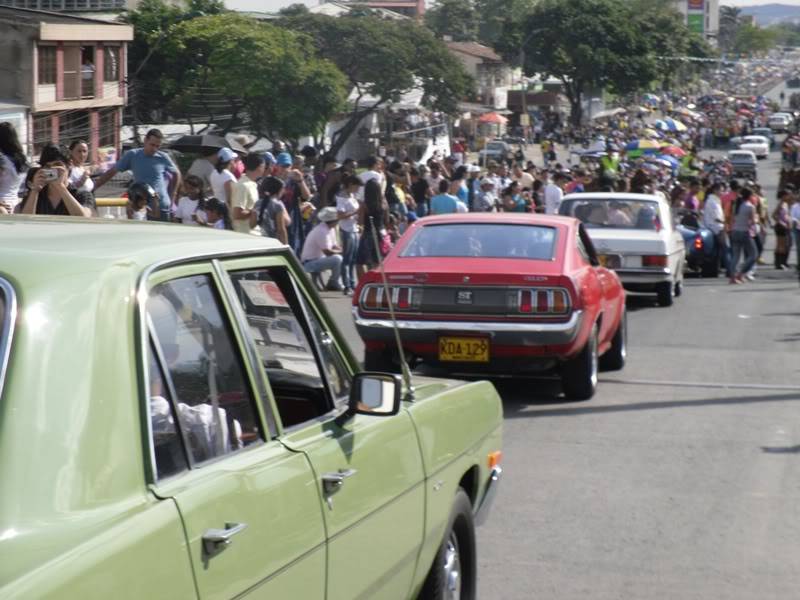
482	512
500	333
633	278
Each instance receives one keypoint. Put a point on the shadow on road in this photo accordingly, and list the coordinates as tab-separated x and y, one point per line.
635	302
514	406
781	449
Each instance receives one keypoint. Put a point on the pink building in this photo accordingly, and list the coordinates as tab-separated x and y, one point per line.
70	71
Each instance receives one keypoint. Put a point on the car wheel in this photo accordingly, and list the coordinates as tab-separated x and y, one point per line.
678	288
665	291
710	268
614	358
579	375
380	362
453	573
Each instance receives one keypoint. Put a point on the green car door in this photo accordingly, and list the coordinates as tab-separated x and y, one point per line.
368	469
249	505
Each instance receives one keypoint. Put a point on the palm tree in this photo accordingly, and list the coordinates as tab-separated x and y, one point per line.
730	18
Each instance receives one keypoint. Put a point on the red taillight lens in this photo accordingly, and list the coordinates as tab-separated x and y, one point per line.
698	243
654	261
526	301
542	301
546	301
403	298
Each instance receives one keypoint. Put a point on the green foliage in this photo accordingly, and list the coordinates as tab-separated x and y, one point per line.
293	10
265	76
455	18
751	39
786	34
383	59
153	22
586	44
496	16
729	21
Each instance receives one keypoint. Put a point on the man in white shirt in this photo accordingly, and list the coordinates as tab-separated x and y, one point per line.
553	193
374	170
321	251
245	192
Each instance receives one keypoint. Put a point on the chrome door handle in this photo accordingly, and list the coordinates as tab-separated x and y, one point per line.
216	540
332	482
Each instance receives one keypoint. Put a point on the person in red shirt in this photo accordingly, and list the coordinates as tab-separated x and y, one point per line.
727	199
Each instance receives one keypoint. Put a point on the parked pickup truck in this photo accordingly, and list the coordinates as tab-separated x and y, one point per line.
181	418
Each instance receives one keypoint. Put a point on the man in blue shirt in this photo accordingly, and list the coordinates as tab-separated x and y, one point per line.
444	203
151	166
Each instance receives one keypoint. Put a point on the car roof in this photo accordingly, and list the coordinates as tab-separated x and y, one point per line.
613	196
99	244
502	218
741	153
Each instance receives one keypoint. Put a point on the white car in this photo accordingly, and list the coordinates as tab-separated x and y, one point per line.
780	122
757	144
633	234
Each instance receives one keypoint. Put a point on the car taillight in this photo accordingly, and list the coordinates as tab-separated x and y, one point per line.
654	261
403	298
698	243
526	301
373	297
545	301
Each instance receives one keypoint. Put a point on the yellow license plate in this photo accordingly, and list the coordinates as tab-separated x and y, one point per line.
464	349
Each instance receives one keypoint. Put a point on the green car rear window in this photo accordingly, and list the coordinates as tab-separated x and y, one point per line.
7	316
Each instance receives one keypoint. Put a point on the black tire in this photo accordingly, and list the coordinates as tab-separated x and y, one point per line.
710	268
614	358
665	291
459	537
678	289
579	375
380	362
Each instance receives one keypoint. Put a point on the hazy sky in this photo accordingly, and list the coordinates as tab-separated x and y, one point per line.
273	5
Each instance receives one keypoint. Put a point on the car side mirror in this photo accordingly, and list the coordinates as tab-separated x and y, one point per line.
376	394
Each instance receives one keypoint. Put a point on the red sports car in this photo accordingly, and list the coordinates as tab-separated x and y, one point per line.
496	294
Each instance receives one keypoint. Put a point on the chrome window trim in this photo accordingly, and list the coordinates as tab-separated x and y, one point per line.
141	321
7	323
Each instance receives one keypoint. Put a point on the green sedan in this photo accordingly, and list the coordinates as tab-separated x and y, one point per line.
181	418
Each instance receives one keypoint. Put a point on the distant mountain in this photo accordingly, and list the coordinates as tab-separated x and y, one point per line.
770	14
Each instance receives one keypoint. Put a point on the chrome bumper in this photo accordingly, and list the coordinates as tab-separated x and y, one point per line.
638	276
500	332
482	512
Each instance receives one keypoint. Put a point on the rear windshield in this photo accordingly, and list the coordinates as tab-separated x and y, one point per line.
613	213
484	240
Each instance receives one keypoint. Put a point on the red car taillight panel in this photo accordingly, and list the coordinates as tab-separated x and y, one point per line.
654	261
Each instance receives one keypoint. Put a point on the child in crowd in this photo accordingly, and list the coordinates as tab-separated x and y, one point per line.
190	202
217	214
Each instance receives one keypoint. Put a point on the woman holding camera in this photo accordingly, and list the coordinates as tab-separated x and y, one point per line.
48	192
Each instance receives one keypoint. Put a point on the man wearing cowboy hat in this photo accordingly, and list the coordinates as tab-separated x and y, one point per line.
321	251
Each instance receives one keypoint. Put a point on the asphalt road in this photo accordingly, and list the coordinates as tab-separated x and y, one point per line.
680	479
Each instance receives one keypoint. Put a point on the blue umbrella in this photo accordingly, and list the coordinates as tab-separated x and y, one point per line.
670	125
671	161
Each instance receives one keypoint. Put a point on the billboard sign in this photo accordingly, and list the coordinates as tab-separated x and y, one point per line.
696	23
696	4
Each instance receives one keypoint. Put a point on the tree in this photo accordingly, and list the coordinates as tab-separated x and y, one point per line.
670	40
455	18
382	60
496	16
751	39
261	76
729	21
585	44
153	22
